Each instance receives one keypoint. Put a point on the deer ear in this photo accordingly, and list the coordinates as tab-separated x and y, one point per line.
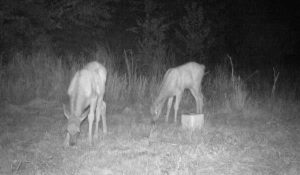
66	112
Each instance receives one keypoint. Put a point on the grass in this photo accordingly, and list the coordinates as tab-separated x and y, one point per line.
243	134
135	147
45	76
26	78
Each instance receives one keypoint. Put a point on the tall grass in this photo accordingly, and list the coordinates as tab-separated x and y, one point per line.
38	75
45	76
42	75
224	92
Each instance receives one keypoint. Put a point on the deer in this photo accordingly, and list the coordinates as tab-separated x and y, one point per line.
86	92
175	81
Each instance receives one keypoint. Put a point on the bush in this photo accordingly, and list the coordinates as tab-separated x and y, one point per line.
224	91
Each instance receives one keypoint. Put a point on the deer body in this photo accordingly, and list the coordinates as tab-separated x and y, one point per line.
86	93
175	81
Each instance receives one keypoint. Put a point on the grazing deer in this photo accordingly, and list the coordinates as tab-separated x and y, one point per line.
86	93
175	81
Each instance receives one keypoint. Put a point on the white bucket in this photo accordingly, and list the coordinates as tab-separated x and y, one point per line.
192	121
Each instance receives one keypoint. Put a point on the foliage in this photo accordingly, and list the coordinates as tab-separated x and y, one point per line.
225	90
152	35
194	31
20	21
45	76
36	76
76	24
88	13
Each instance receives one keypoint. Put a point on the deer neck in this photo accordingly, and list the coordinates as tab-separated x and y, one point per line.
160	100
78	104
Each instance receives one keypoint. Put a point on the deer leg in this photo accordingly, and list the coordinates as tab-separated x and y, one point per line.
98	113
67	140
103	114
201	103
176	105
91	117
195	94
169	105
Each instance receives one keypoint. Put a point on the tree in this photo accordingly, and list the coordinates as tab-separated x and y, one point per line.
20	21
151	29
76	24
194	31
